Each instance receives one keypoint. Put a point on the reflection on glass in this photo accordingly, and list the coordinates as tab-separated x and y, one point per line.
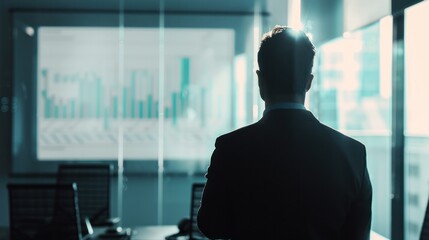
197	92
416	118
79	93
351	93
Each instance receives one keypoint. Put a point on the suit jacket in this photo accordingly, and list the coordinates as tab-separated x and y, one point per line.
287	177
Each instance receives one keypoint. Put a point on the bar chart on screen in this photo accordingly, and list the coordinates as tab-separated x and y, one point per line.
82	99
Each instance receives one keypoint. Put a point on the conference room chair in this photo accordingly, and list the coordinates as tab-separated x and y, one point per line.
93	184
43	211
196	195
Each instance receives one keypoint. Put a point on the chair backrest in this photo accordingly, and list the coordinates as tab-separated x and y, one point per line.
197	193
44	211
93	184
424	233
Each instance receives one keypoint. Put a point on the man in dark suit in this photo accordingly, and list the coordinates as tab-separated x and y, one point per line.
287	176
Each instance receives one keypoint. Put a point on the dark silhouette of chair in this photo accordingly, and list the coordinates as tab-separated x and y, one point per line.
93	184
424	233
44	211
197	193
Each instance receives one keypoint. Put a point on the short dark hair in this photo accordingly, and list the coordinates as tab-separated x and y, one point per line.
285	59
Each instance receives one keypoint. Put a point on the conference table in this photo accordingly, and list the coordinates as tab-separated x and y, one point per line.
153	232
148	232
160	232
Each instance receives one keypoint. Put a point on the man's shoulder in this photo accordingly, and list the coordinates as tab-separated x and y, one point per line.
318	131
340	137
238	135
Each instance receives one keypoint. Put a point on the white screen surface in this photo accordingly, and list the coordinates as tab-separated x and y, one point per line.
83	97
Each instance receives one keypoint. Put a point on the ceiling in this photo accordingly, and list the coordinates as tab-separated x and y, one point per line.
206	6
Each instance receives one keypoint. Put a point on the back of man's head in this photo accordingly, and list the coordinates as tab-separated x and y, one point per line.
285	60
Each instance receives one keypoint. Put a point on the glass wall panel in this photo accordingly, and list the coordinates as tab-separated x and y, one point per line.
187	79
416	118
208	64
139	74
198	64
352	93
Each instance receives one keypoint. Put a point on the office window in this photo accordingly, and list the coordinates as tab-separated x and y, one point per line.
416	117
352	93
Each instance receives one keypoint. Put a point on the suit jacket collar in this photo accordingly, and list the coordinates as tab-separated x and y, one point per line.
284	105
289	115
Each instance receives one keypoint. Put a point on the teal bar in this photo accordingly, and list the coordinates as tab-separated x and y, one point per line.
72	113
115	107
81	110
47	107
88	99
133	94
56	112
156	109
179	104
124	103
167	112
185	74
92	95
106	118
81	99
98	96
102	102
149	106
174	107
141	104
184	88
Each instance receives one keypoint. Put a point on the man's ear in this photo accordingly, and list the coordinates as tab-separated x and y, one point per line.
309	81
258	72
261	84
